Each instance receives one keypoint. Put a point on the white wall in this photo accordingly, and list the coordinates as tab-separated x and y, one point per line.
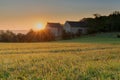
74	29
67	27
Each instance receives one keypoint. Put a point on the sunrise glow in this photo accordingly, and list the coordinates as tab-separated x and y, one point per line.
39	26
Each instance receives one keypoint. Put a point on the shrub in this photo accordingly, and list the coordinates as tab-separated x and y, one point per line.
31	36
67	35
118	35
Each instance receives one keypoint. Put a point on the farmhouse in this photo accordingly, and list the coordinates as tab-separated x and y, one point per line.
55	28
75	27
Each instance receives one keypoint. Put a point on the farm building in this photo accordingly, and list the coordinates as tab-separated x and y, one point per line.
55	28
75	27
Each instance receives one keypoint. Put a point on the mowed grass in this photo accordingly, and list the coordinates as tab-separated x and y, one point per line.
59	61
109	38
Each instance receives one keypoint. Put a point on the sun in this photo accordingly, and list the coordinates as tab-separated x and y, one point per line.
39	26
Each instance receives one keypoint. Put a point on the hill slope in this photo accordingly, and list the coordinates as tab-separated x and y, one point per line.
97	38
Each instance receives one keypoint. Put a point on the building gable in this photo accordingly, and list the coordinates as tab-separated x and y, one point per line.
55	28
75	27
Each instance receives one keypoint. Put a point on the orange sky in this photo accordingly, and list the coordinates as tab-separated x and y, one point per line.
26	14
24	23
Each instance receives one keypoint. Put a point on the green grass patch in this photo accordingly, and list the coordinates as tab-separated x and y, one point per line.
109	38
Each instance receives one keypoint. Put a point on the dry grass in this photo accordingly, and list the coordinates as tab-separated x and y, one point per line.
59	61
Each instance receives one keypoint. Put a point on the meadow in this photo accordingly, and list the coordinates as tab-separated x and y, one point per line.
102	38
63	60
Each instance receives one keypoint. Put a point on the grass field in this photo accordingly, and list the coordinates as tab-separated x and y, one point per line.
73	60
97	38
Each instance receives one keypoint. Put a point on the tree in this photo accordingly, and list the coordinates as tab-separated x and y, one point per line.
20	37
97	15
100	23
8	36
31	36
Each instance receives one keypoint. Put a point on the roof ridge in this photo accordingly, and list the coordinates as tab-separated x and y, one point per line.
72	21
52	23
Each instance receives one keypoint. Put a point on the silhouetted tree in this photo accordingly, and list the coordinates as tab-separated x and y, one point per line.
7	36
97	15
110	23
31	36
20	37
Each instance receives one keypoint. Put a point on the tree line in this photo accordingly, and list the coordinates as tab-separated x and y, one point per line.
110	23
31	36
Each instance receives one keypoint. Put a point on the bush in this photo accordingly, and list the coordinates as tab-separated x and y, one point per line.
118	35
31	36
7	36
67	35
78	34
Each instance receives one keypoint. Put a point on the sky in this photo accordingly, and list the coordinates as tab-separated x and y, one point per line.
27	14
